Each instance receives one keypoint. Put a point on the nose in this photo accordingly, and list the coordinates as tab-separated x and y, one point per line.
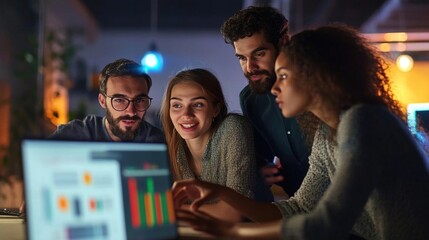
275	90
251	65
189	112
131	109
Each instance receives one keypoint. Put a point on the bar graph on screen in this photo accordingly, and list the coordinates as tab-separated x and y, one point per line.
150	201
149	208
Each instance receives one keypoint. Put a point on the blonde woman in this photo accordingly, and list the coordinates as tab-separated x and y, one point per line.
204	141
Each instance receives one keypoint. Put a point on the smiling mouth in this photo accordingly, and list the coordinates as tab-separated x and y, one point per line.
188	125
129	122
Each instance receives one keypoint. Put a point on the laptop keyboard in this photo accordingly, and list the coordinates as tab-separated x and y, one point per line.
10	211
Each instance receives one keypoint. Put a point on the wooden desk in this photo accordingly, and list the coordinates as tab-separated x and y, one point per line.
12	228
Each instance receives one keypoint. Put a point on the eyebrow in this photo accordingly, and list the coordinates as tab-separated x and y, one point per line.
254	51
282	68
125	96
192	99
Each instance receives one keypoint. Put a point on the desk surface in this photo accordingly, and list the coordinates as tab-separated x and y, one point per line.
13	228
187	233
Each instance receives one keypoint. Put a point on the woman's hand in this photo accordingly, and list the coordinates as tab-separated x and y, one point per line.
199	192
201	221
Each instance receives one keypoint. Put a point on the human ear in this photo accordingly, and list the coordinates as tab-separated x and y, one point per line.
102	100
216	110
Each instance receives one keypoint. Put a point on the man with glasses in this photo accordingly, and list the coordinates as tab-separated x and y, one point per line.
124	89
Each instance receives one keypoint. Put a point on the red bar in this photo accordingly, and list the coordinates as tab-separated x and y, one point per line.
158	208
134	202
92	204
170	205
148	207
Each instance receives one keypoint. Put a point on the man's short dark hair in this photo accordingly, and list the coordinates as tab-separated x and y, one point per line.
251	20
122	67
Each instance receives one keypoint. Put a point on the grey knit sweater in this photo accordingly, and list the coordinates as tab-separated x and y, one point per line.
375	182
228	159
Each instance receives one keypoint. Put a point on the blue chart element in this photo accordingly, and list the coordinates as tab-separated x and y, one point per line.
152	61
77	210
87	232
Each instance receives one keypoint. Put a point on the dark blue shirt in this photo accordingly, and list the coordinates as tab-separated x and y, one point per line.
278	136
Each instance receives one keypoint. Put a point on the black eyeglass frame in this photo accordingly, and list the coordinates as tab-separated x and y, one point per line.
129	101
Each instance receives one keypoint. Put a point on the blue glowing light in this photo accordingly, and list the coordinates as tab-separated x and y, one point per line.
152	61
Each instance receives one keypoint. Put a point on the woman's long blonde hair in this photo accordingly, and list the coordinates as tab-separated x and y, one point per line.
211	85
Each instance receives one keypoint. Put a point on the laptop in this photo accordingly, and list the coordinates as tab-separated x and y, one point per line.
79	190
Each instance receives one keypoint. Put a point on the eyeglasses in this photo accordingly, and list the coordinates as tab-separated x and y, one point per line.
122	103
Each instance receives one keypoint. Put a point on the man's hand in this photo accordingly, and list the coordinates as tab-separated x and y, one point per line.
270	175
270	172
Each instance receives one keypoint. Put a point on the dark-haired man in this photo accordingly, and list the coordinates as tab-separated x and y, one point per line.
256	34
124	94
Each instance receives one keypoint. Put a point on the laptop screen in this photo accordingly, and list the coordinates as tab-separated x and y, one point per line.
97	190
418	117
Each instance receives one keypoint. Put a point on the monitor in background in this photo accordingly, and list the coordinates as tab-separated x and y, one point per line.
97	190
418	117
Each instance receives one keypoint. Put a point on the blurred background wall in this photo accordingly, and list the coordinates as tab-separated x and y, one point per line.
52	51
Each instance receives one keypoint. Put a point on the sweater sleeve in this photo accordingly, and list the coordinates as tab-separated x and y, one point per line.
315	182
359	140
239	152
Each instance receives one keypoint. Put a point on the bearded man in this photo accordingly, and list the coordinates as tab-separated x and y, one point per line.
124	94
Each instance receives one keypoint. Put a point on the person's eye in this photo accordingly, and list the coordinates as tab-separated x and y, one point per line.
260	54
198	105
119	100
140	100
175	106
283	76
241	58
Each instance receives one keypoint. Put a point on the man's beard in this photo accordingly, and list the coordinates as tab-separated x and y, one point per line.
128	134
262	86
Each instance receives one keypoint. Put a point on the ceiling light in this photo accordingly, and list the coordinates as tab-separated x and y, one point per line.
152	61
404	63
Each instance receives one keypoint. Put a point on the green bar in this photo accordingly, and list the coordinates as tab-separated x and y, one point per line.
142	209
164	208
151	191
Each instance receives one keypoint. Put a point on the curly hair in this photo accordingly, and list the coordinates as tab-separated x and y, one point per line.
251	20
121	67
211	85
336	63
